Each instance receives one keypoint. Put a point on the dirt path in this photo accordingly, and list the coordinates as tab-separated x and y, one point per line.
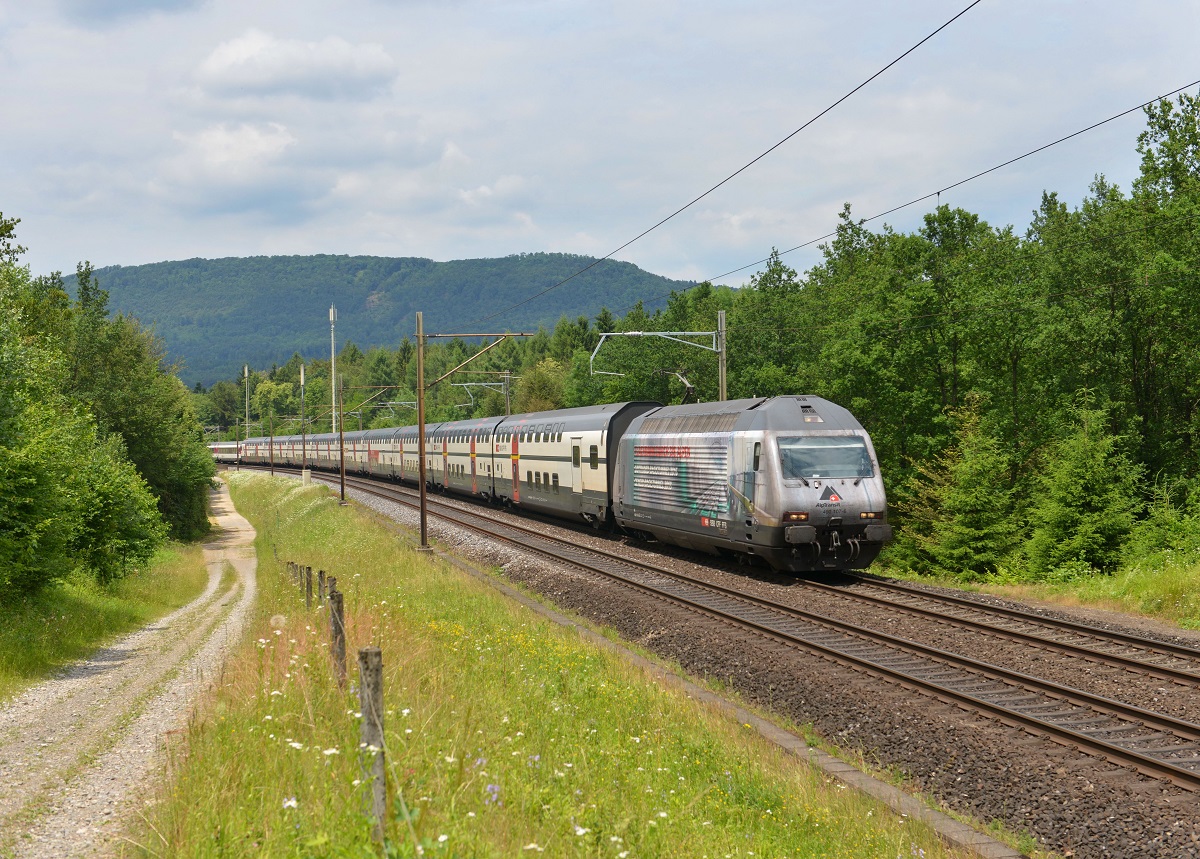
76	751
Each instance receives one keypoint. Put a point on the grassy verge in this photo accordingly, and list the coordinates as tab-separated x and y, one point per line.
1167	590
1165	586
68	621
506	735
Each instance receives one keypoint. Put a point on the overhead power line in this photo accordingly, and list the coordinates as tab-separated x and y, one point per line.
938	192
981	173
735	173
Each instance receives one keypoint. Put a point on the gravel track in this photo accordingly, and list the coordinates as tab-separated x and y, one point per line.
1073	804
76	751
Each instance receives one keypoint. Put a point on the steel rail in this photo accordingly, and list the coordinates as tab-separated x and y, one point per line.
1117	660
1161	647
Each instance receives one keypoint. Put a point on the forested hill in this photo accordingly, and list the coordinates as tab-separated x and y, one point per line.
216	315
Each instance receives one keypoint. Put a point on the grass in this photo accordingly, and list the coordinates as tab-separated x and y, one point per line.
506	735
41	634
1164	586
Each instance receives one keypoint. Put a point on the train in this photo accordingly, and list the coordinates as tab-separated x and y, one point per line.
791	480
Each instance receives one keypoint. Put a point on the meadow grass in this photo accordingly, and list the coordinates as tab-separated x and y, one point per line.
1164	586
506	734
42	633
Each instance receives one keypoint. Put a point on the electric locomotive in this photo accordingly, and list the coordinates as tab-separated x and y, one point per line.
793	480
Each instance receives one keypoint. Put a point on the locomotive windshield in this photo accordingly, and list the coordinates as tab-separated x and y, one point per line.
805	457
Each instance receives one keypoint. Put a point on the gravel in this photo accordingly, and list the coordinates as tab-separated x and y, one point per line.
77	752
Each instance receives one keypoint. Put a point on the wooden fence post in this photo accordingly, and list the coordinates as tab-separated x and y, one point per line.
308	587
370	701
337	632
321	587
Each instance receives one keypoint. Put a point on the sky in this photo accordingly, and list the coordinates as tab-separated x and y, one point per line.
137	131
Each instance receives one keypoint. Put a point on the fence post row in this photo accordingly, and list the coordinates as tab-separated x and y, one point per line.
370	700
370	689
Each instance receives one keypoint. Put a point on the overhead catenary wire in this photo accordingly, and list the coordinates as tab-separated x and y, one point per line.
939	191
954	185
978	175
732	175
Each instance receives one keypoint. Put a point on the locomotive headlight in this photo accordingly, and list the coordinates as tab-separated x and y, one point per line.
795	517
869	515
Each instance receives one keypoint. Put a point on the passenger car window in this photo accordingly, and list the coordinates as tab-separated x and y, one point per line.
595	455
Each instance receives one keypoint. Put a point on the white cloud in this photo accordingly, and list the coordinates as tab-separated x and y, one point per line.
237	169
257	63
453	157
233	150
502	189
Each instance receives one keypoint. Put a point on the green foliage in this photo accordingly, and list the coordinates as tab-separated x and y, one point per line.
1170	526
1170	148
541	388
98	443
10	251
119	524
958	508
1088	494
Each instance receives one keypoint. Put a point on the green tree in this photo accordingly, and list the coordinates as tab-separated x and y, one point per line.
957	509
1090	492
69	497
120	524
1170	149
541	388
119	370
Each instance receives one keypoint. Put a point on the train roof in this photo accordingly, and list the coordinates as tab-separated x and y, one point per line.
583	417
793	412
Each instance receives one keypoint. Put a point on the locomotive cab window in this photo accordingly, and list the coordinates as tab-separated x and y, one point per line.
804	457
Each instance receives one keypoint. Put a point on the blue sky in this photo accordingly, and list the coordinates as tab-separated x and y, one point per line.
153	130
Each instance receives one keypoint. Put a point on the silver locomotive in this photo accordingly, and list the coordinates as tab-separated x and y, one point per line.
792	480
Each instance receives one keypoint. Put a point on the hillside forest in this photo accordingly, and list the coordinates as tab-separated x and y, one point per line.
1034	396
215	315
101	454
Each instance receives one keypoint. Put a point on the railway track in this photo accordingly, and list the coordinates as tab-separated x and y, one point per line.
1150	743
1173	662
